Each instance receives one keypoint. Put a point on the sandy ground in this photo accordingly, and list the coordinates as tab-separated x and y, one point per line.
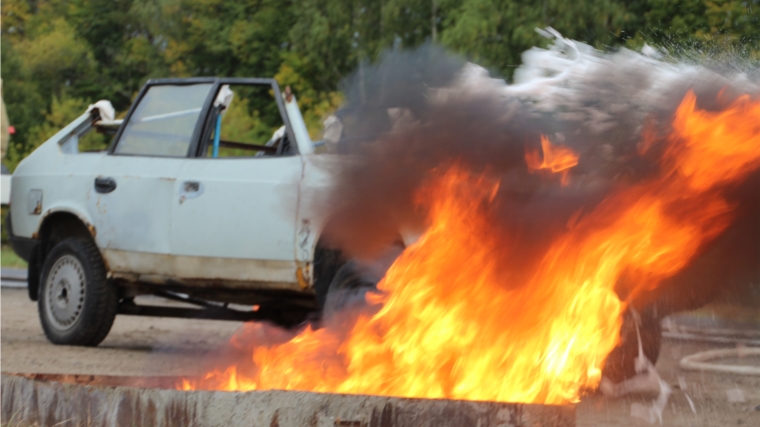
157	346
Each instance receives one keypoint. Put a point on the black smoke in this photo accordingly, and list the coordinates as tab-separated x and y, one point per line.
415	112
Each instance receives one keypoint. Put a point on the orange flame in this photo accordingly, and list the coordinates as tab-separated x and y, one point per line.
556	158
445	325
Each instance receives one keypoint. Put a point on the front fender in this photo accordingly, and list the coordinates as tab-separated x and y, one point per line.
71	209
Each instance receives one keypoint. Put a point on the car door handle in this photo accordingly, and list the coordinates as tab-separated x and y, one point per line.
105	185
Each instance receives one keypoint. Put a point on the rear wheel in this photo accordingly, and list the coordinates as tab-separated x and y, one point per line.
77	305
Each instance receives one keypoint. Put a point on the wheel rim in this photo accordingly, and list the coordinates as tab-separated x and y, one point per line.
65	286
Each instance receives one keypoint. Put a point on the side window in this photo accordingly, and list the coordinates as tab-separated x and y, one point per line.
163	122
95	141
248	123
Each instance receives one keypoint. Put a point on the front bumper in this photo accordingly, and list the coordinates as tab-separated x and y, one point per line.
23	246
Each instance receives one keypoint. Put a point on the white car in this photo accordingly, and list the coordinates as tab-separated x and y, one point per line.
175	208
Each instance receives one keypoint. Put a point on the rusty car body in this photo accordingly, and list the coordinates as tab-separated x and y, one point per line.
171	218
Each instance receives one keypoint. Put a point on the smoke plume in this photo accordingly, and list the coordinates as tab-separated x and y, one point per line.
418	111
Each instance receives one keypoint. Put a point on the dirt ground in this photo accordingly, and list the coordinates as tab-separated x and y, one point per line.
157	346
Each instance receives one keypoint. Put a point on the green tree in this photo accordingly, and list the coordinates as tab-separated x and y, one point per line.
695	21
59	55
496	32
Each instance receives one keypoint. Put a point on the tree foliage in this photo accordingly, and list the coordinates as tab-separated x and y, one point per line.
58	55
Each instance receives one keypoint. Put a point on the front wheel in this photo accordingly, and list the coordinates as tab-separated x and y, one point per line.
77	305
621	362
347	288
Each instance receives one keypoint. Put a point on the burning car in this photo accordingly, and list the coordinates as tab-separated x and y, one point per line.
189	202
565	216
556	224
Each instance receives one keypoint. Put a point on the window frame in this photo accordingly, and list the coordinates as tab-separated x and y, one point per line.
201	146
201	126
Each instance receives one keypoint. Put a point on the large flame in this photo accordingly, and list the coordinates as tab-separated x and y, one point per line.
446	325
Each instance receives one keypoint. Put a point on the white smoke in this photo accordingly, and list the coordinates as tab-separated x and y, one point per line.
577	83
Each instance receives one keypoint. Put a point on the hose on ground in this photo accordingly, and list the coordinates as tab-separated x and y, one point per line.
697	361
710	338
749	337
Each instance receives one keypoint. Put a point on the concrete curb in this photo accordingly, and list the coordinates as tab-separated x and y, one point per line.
48	403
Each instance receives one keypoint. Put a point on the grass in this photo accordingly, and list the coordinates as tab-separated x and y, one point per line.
8	258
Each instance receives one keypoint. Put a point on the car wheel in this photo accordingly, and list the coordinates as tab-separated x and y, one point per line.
327	262
77	305
347	288
621	362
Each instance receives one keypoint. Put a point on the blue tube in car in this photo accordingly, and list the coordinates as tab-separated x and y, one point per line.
217	133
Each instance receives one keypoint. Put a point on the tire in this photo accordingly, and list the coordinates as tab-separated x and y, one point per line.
327	262
347	288
76	304
621	362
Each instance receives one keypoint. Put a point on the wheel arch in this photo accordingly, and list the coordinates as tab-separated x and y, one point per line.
67	223
404	238
56	225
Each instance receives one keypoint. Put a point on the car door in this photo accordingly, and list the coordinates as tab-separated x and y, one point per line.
134	184
234	211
